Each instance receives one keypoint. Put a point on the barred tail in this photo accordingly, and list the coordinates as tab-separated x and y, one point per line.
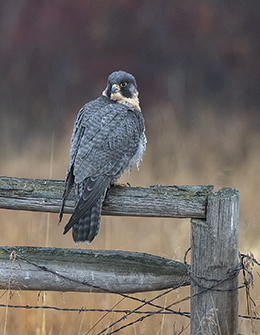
87	226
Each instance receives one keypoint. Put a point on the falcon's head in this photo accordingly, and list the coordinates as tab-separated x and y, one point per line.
122	88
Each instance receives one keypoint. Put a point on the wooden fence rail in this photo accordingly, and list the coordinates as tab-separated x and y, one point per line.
159	201
214	249
54	269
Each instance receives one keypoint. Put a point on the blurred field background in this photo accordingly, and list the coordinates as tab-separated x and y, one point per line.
197	67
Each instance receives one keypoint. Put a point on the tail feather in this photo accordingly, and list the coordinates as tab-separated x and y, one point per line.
87	226
88	198
87	214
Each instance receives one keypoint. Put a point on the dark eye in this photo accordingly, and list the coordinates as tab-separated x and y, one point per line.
123	84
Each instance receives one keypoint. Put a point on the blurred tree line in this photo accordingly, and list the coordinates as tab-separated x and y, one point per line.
55	55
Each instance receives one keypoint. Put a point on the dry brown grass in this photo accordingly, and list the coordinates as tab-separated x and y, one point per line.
223	151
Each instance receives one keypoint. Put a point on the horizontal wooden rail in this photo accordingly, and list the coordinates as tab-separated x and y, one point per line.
157	201
54	269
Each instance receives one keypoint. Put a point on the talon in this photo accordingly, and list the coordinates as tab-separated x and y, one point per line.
123	184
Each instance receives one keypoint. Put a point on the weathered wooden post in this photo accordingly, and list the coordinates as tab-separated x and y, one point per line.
214	257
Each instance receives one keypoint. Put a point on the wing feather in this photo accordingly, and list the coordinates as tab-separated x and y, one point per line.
93	190
106	142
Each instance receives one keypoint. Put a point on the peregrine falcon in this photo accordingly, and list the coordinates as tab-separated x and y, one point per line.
108	138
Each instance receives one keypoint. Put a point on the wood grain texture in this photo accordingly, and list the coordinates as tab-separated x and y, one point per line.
214	257
155	201
54	269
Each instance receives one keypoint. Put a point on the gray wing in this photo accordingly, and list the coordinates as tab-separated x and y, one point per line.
107	140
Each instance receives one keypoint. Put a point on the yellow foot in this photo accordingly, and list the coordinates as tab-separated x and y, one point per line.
123	184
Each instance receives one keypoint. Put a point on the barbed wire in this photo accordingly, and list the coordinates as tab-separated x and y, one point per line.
82	309
246	265
109	310
143	317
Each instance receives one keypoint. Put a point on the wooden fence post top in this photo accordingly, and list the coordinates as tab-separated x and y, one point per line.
225	192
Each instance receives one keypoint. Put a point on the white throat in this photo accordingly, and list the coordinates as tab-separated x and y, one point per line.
130	102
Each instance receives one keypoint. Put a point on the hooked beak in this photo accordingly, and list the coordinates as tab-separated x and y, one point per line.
115	88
